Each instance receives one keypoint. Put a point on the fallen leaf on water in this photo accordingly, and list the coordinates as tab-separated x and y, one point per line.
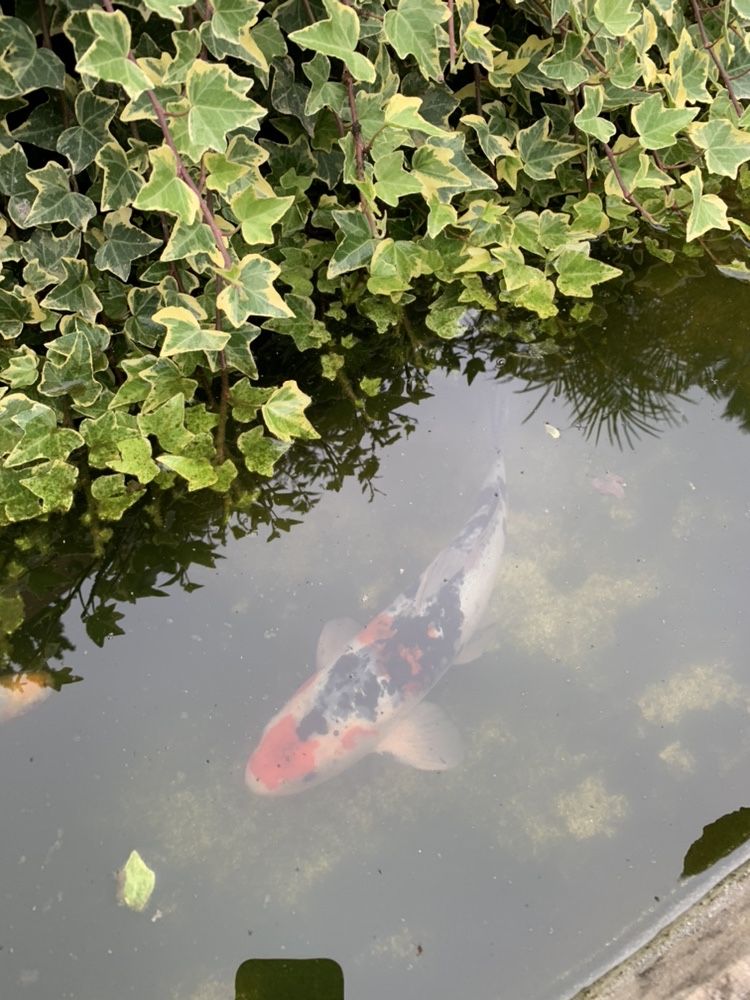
135	883
610	485
551	430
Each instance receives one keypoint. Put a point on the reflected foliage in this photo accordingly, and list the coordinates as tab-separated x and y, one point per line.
625	368
718	840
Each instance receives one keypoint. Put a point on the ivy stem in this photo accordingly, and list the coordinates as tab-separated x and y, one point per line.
478	87
221	430
182	171
626	192
44	23
709	47
359	147
451	36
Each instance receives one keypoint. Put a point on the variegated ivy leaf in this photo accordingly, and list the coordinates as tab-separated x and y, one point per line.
567	63
477	47
215	105
688	73
189	239
123	243
541	156
73	360
185	333
248	290
392	181
165	190
403	112
75	293
233	19
284	413
53	483
17	51
120	184
324	92
708	211
55	202
415	28
31	432
656	125
337	36
726	147
357	245
108	57
81	142
198	472
168	9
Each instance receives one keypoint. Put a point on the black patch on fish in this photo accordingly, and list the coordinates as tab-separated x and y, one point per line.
314	722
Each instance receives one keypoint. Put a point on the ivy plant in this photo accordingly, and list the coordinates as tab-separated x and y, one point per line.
186	186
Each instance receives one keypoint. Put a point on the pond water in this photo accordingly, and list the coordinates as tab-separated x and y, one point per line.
605	721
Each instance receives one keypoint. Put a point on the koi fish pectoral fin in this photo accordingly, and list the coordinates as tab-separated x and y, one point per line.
443	567
480	643
335	636
426	739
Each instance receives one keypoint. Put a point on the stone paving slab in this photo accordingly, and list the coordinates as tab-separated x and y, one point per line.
704	954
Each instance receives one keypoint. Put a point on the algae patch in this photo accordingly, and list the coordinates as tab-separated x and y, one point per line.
698	688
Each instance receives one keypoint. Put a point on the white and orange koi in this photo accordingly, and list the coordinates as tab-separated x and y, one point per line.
367	694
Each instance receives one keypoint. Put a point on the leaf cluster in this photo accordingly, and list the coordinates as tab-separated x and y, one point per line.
187	186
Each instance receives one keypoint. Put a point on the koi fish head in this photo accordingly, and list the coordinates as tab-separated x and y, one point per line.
302	746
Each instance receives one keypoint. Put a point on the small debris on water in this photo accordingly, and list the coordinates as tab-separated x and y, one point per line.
551	430
610	485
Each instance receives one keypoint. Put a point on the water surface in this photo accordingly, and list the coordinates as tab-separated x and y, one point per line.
605	721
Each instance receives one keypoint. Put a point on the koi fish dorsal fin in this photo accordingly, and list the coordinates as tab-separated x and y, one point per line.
425	739
443	567
335	636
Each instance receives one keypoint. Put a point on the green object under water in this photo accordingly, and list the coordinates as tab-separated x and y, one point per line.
135	883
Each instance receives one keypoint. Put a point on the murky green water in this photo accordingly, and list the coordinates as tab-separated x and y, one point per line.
605	723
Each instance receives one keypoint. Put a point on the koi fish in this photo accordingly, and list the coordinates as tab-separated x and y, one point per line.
367	695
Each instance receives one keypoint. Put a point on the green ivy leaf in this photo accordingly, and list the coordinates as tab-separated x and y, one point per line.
617	17
726	147
415	28
249	290
53	483
135	460
168	9
198	472
259	451
337	36
123	244
578	273
708	211
284	414
588	119
112	497
658	126
165	190
258	215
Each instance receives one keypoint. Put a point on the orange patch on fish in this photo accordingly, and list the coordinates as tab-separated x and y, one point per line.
411	655
378	630
281	756
354	734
